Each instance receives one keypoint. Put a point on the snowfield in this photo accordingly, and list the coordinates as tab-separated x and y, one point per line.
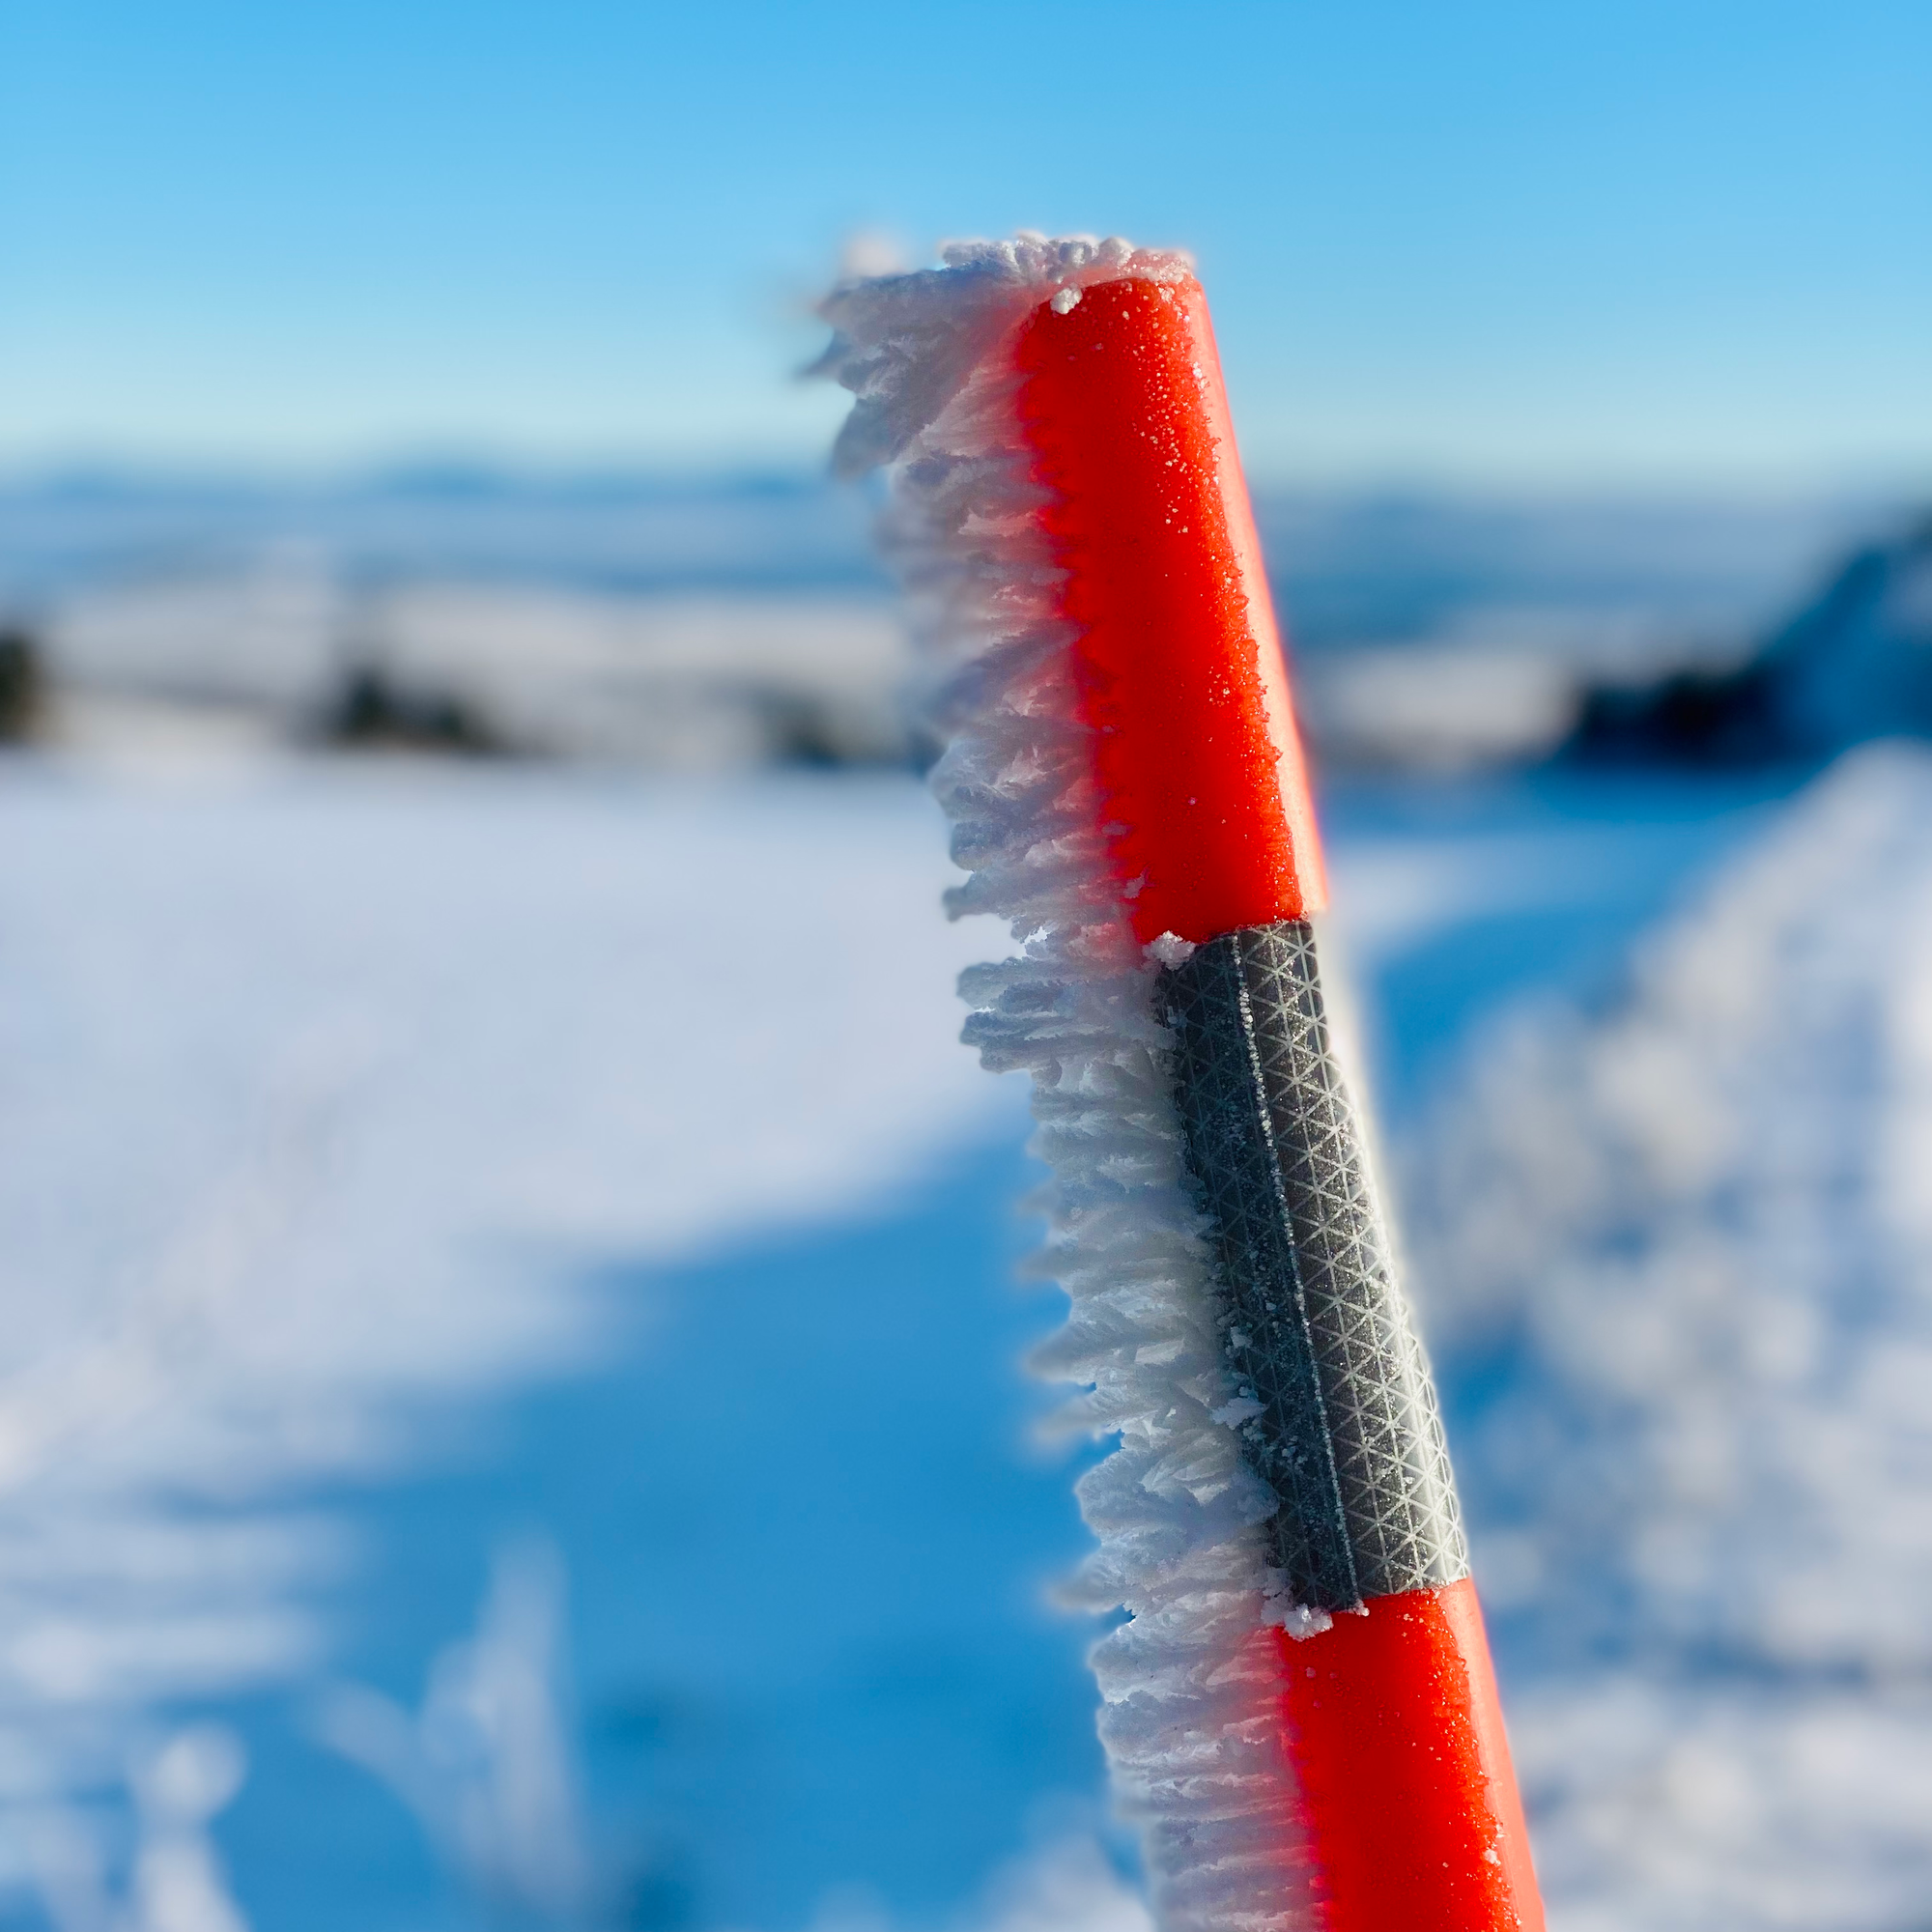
1676	1255
325	1084
329	1086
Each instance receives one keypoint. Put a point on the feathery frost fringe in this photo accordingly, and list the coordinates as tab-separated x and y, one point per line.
1186	1724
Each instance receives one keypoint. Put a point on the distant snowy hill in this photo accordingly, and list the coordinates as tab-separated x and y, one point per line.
731	620
1350	568
637	534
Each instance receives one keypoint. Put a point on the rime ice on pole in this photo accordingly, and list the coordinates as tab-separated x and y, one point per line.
1300	1712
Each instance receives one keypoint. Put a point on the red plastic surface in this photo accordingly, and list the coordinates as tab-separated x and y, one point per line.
1180	660
1408	1805
1408	1800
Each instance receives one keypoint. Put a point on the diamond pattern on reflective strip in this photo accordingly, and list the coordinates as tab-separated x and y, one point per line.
1345	1428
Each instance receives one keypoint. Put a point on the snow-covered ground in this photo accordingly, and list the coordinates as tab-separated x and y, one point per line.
1676	1253
395	1153
324	1087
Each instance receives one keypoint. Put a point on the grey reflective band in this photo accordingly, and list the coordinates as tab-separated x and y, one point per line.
1347	1434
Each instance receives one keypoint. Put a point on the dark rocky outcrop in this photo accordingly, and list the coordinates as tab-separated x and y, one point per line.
1855	664
22	686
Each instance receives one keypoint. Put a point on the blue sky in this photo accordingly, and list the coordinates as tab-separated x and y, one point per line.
1601	240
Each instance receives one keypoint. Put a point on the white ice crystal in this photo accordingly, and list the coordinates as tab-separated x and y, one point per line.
1195	1757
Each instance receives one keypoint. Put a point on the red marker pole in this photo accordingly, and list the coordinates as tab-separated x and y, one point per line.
1390	1716
1128	785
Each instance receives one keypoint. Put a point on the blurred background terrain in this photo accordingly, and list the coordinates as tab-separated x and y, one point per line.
714	623
510	1405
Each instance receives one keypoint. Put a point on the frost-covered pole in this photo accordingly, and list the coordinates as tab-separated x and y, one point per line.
1300	1713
